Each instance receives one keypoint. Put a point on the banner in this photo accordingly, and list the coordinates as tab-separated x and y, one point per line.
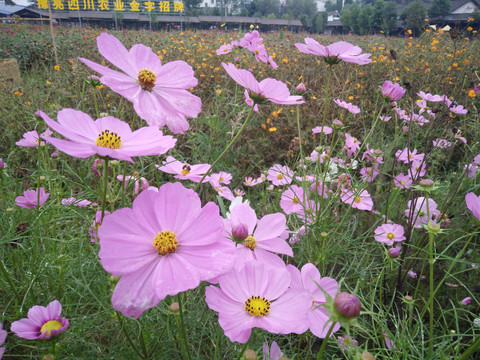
112	5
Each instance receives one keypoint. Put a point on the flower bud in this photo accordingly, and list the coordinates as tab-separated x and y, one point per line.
466	301
301	88
394	252
250	354
174	307
240	232
337	123
54	155
2	164
367	356
237	59
347	305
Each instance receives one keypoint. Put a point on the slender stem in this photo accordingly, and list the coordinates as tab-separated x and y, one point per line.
243	349
226	149
95	101
217	343
470	350
10	282
430	251
124	330
182	327
330	69
105	182
142	343
324	343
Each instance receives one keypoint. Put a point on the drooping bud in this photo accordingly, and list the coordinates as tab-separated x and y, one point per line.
394	252
240	232
301	88
347	305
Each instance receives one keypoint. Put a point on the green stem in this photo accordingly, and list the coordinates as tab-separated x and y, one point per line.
105	183
324	343
243	349
226	149
95	101
217	343
10	282
182	327
124	330
470	350
330	69
430	251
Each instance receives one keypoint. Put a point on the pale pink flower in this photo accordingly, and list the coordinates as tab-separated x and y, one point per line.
249	181
165	244
403	181
351	145
42	322
268	89
274	354
430	97
392	91
388	234
466	301
385	118
280	175
346	342
360	200
459	136
441	143
420	211
470	170
106	136
369	173
335	52
473	204
238	192
32	198
325	129
320	188
458	109
292	199
72	201
266	237
418	169
159	93
408	156
184	171
222	191
310	280
224	49
136	182
388	343
353	109
295	235
31	138
222	177
92	230
267	302
3	336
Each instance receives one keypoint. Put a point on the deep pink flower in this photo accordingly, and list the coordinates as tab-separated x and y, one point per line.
107	136
360	201
184	171
158	92
2	164
268	89
392	91
473	204
301	88
30	198
31	138
466	301
42	322
258	296
3	336
347	305
165	244
309	279
388	234
280	175
335	52
353	109
266	237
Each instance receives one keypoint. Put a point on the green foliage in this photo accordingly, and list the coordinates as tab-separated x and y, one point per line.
263	8
439	8
414	15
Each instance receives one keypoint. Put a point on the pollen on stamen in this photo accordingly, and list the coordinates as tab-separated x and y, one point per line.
250	242
358	199
390	236
49	326
295	200
165	242
257	306
279	176
146	79
109	140
185	170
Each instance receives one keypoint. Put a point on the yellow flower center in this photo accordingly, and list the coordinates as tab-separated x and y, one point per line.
109	140
355	140
295	200
146	79
390	236
185	170
358	199
250	242
49	326
279	176
257	306
165	242
221	178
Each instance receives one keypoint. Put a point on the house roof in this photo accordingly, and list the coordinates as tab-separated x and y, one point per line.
10	9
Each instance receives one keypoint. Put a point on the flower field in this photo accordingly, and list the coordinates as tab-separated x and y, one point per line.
239	195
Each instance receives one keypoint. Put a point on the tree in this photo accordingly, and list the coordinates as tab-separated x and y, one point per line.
440	8
301	7
265	7
319	22
330	6
414	15
389	23
191	6
365	20
349	18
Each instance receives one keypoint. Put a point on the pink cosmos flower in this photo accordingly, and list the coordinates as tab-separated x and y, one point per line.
360	201
165	244
369	173
418	169
388	234
420	211
2	164
388	342
335	52
72	201
466	301
268	89
31	138
406	155
184	171
158	92
92	230
31	198
42	322
136	182
470	170
222	177
441	143
473	204
325	129
292	199
3	336
266	237
309	279
459	136
346	342
280	175
320	188
392	91
403	181
430	97
458	109
274	354
224	49
222	191
258	296
351	145
385	118
238	192
353	109
249	181
295	235
412	274
107	136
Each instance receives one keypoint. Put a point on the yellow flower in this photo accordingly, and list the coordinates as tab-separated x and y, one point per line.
409	32
56	67
48	82
272	129
471	93
219	91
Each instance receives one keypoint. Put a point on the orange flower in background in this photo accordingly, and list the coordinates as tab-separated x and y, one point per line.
56	67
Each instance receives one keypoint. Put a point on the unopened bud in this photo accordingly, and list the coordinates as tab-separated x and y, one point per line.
433	227
394	252
301	88
367	356
54	155
250	354
337	123
323	234
426	183
174	307
347	305
377	152
240	232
